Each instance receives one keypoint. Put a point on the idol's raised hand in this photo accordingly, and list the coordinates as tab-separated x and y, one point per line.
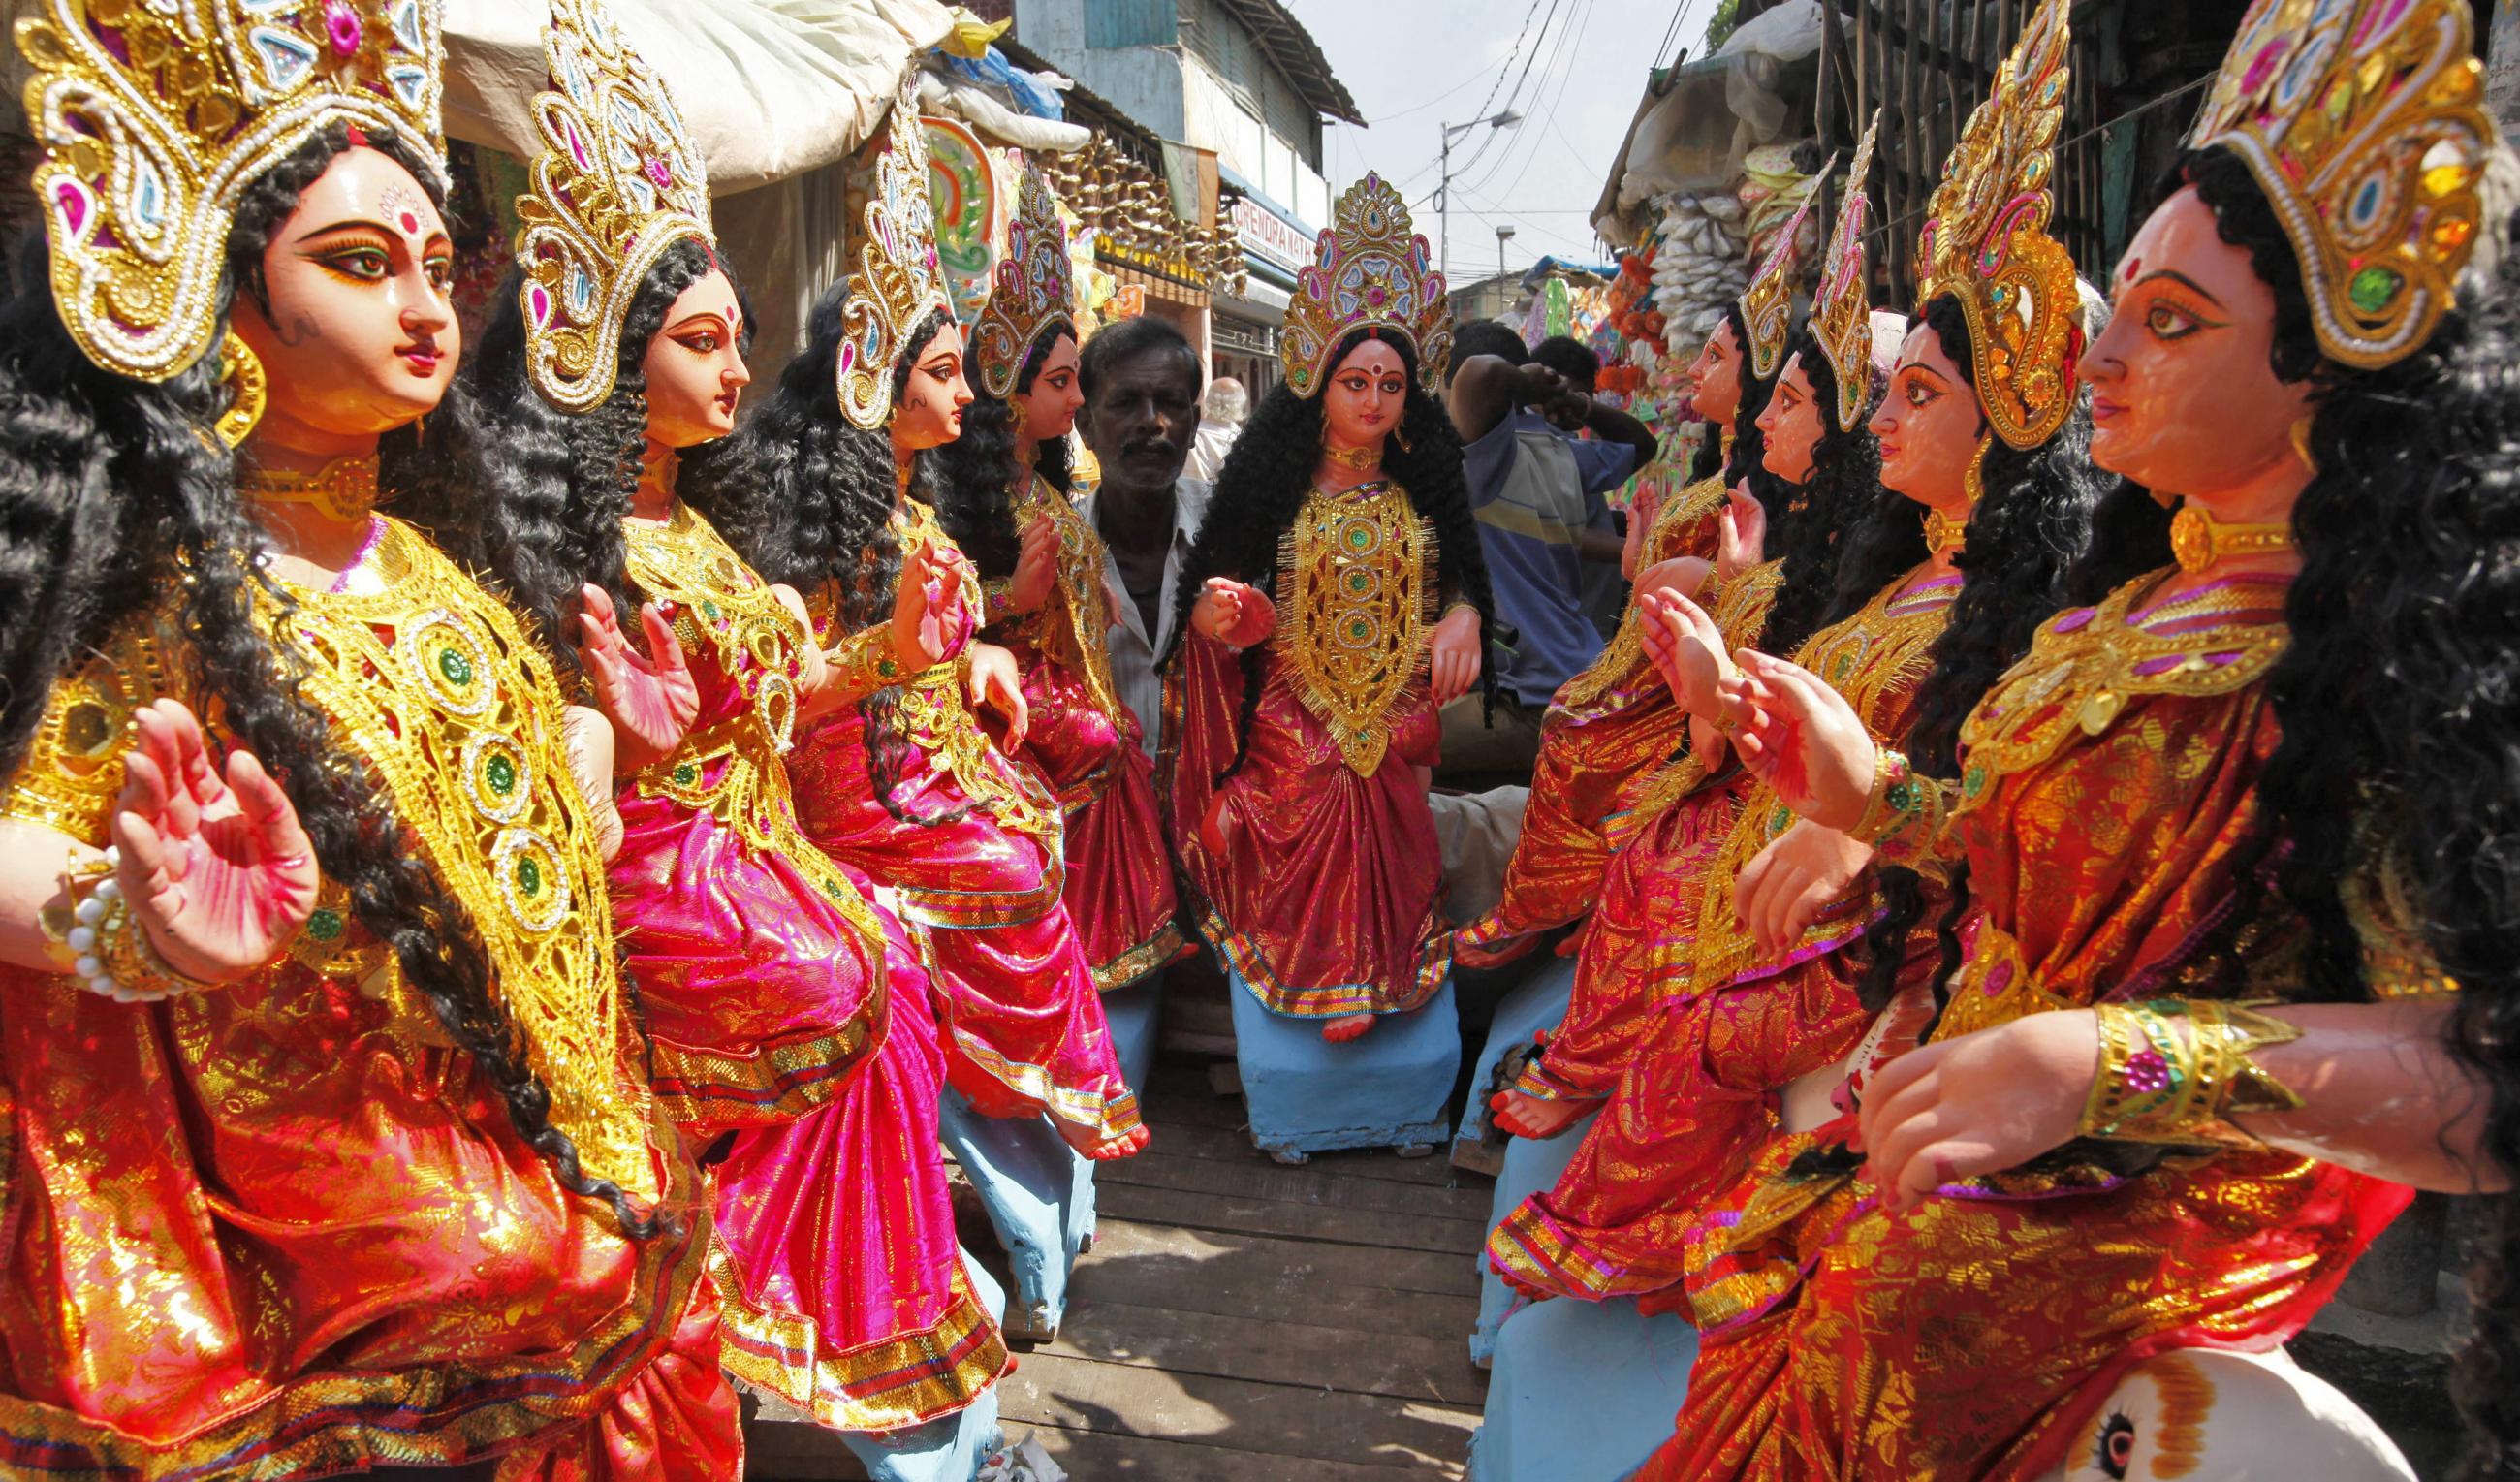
1037	568
1801	737
1232	614
926	609
1741	532
997	682
1687	650
650	698
1640	518
1785	887
1453	654
214	868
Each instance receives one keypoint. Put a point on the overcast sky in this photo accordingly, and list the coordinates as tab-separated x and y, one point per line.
1413	65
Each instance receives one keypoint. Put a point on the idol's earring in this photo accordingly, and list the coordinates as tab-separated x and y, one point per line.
1018	409
1400	436
1973	483
248	389
2301	429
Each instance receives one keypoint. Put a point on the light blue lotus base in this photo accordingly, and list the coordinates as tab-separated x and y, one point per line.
1390	1088
1529	1168
1581	1392
949	1448
1040	1199
1535	1004
1133	1012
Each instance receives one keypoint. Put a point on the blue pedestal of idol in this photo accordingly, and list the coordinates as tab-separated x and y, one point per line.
1391	1088
1530	1167
1581	1392
1535	1006
949	1448
1134	1011
1039	1195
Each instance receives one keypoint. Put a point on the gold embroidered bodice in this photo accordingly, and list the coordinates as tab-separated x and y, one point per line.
729	765
432	683
1357	589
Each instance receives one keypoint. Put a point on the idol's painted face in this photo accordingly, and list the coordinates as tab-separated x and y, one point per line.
354	327
929	412
1050	407
694	366
1791	424
2183	398
1930	425
1715	375
1364	396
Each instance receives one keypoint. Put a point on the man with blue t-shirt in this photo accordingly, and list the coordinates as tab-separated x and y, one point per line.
1535	488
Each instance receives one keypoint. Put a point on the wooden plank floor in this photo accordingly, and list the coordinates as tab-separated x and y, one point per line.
1238	1321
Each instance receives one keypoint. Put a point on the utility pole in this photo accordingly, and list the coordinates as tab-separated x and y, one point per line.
1505	119
1505	233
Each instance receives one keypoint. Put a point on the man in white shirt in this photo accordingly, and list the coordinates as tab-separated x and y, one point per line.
1140	380
1220	423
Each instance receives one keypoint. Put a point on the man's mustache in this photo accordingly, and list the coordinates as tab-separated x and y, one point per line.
1163	446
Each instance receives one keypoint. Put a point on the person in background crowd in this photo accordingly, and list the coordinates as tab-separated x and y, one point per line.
1220	421
1530	479
1142	414
1599	542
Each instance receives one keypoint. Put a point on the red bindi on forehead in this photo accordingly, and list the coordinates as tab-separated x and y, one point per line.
2133	266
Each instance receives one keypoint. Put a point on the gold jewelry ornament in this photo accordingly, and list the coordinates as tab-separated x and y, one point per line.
345	489
867	661
897	283
249	391
154	118
1841	311
1973	478
1986	244
1033	300
2198	540
2363	122
2302	427
1944	535
617	182
1357	581
2156	1084
1768	303
1357	460
1370	271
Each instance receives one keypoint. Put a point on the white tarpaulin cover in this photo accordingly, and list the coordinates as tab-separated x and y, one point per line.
769	88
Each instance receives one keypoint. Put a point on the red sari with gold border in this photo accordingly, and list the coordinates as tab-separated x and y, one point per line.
1607	726
2107	786
1736	1026
283	1228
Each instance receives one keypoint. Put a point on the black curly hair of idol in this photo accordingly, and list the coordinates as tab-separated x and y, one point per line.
1268	475
2029	538
977	475
806	497
2401	689
108	486
530	496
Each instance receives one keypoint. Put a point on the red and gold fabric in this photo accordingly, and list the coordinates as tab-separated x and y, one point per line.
2107	786
759	962
1609	723
1084	744
282	1227
1733	1025
1316	858
971	844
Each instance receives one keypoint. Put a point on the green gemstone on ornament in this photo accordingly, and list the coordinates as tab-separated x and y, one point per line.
1780	820
502	773
686	774
325	925
455	666
529	876
1974	781
1902	795
708	608
2373	288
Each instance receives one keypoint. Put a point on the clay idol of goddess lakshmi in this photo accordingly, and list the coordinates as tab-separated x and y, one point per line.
1334	599
321	1143
790	1017
2237	946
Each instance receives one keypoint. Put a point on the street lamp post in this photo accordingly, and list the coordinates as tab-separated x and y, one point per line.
1504	119
1505	233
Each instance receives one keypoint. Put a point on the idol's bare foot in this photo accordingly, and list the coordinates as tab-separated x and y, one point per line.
1092	1145
1346	1027
1519	1113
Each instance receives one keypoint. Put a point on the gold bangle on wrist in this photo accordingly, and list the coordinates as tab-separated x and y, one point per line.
866	661
997	601
2157	1085
1894	798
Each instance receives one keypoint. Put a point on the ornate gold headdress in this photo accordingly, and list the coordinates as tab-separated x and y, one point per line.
617	183
1768	303
1841	311
1986	243
898	281
2362	122
1033	294
1370	270
155	116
